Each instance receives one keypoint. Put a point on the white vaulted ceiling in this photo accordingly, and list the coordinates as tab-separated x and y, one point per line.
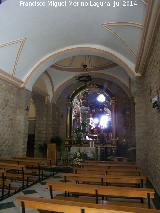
34	38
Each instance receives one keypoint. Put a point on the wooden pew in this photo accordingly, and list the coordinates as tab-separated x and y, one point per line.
110	165
109	162
38	165
34	169
11	166
104	168
35	166
91	172
78	207
13	171
107	191
107	172
4	184
124	173
44	161
108	179
16	172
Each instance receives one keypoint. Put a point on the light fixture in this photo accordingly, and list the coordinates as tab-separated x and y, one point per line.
96	120
104	121
86	77
101	98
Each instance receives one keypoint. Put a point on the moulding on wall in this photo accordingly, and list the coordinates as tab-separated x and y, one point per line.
20	41
126	24
10	79
151	28
108	26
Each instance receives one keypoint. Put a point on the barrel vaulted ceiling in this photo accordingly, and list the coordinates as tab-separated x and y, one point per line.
32	39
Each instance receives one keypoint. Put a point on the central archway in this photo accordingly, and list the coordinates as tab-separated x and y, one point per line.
91	116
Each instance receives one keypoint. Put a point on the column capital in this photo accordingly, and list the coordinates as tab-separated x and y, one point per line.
113	100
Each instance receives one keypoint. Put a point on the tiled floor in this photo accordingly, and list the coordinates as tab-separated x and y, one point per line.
9	205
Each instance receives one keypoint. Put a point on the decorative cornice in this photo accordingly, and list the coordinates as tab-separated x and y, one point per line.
108	26
126	24
152	24
20	41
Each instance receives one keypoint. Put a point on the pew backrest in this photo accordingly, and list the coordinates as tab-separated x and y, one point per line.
105	179
11	166
107	172
103	190
78	207
41	161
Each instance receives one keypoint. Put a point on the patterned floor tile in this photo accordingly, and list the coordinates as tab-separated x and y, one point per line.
9	205
6	205
27	192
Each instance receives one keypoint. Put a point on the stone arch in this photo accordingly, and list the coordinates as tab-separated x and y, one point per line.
101	51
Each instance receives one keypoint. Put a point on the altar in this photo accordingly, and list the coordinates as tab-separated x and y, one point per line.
98	152
89	151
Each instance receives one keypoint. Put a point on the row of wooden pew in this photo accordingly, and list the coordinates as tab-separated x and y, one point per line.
90	191
17	174
109	173
67	206
137	181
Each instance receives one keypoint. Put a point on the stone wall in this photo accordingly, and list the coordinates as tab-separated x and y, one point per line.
141	124
13	120
148	119
46	124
